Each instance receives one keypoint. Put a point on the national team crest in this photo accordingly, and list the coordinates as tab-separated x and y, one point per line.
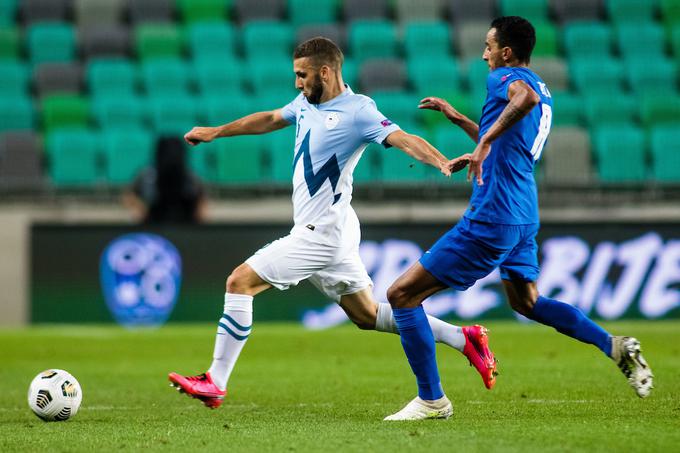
332	120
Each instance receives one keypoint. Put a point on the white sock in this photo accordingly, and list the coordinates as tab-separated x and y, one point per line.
443	331
232	334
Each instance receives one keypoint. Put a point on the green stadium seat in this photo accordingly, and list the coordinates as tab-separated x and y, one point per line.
120	112
173	115
268	39
8	12
546	40
222	108
641	39
111	78
158	41
203	10
272	75
620	152
533	10
9	43
372	39
61	111
16	113
670	14
430	77
398	167
665	148
675	43
73	157
305	12
368	167
652	76
659	109
399	107
567	109
126	152
350	73
271	100
602	75
587	40
14	80
427	40
219	77
213	41
203	161
452	141
477	75
607	110
279	149
165	77
631	11
240	160
51	42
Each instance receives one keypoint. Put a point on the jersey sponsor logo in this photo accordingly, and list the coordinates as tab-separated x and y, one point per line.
330	170
332	120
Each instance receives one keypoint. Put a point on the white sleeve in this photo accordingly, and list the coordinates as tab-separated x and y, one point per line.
373	125
289	111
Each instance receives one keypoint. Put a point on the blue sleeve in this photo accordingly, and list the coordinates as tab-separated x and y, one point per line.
372	125
289	111
499	81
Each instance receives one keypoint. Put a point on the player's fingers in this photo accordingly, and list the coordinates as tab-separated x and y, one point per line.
480	182
469	174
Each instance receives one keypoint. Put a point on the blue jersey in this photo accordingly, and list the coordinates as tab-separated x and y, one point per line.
508	195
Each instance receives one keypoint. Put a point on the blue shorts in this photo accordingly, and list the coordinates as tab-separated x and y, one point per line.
472	250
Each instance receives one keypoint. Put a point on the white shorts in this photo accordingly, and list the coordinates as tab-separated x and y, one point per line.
335	271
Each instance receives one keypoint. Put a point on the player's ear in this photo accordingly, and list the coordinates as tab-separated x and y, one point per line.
325	73
506	53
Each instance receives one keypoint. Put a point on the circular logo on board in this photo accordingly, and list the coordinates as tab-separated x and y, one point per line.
332	120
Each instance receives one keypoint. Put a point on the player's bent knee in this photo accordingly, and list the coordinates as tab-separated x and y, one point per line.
237	282
398	297
523	306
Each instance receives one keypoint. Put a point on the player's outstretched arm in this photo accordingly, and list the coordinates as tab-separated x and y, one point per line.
420	149
256	123
440	105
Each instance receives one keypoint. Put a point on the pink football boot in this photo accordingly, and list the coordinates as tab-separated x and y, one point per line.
200	387
478	353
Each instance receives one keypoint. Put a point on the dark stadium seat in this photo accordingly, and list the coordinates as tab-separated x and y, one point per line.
51	42
365	10
165	77
192	11
334	32
89	13
43	10
553	71
121	112
73	156
9	42
382	74
567	157
248	10
126	152
418	10
631	11
145	11
464	10
372	39
606	110
587	39
65	111
158	41
665	148
8	12
577	10
240	160
20	161
535	11
51	78
567	108
620	154
312	12
16	113
470	38
106	40
111	78
267	39
211	41
14	79
430	39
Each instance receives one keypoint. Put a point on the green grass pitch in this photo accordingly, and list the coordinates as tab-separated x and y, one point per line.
297	390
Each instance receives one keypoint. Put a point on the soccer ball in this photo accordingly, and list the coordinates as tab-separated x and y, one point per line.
54	395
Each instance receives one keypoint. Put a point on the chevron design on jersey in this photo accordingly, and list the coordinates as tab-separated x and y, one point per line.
330	170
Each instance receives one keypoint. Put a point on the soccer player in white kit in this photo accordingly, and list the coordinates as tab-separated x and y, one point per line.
333	126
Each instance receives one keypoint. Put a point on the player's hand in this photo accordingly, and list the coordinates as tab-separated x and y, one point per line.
459	163
440	105
476	159
200	135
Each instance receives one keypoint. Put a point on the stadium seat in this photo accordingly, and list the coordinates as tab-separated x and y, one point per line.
372	39
157	41
16	113
587	39
111	78
8	12
306	12
477	74
452	141
620	154
535	11
434	77
51	42
553	71
14	80
222	108
126	152
608	110
271	75
567	159
636	39
174	115
105	40
603	75
165	77
398	167
89	13
418	10
399	107
382	74
240	160
120	112
20	161
267	10
660	109
546	40
193	11
265	40
220	76
665	148
271	100
427	40
43	10
461	11
53	78
649	76
64	111
631	11
365	10
279	149
567	109
350	73
9	43
203	161
147	11
670	13
577	10
73	157
470	38
335	32
212	41
675	43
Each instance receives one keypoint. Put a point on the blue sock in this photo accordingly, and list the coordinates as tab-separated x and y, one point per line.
572	322
418	342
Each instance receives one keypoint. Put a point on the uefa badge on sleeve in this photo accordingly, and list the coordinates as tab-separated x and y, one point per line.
140	277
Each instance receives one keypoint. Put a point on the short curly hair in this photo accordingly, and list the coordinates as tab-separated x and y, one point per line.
321	51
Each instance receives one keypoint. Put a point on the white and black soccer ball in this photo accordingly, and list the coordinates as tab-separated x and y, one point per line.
55	395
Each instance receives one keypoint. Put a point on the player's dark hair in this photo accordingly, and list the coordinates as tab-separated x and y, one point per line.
322	51
516	33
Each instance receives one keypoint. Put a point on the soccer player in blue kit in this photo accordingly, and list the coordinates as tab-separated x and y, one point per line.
500	225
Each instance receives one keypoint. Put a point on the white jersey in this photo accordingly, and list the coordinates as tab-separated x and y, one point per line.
329	141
